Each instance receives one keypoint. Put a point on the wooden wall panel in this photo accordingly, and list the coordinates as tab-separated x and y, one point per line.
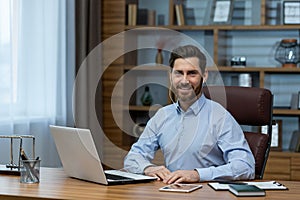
113	17
113	22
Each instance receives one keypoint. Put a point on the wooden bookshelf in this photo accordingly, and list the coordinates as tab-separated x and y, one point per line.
114	22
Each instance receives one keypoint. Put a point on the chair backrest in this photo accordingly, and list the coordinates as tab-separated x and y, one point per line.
249	106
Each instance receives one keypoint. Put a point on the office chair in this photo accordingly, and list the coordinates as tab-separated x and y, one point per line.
251	107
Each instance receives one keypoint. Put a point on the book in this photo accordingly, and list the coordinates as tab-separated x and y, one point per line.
132	14
189	16
179	14
129	14
246	190
179	187
142	16
265	185
151	17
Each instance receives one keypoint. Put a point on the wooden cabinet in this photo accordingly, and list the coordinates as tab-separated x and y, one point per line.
255	31
283	166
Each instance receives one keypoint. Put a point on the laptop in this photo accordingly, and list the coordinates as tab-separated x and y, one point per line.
79	157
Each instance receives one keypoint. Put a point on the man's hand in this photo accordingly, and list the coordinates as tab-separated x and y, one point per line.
161	172
187	176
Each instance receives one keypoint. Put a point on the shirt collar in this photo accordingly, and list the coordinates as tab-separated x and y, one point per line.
195	107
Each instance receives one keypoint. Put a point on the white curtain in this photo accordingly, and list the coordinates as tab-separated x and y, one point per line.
33	74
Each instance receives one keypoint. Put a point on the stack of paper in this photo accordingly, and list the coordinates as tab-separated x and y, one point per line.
265	185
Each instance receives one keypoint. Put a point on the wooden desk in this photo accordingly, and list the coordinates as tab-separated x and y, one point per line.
56	185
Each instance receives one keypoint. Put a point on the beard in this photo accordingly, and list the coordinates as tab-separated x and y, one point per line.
186	92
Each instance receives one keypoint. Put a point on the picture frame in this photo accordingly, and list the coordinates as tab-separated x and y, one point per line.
298	100
276	140
295	101
222	12
295	141
291	12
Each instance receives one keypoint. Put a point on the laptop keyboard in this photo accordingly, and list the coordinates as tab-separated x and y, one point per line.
116	177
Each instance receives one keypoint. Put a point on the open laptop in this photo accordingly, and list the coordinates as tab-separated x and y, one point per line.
79	157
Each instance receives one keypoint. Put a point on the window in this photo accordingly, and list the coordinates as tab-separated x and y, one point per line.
33	62
33	72
7	71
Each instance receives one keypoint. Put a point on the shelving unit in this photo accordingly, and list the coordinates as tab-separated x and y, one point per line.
256	39
261	74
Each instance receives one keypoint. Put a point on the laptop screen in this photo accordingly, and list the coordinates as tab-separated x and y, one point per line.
78	153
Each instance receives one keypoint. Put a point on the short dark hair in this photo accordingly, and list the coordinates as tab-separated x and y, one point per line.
188	51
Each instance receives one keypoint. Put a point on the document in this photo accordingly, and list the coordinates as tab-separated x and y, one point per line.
265	185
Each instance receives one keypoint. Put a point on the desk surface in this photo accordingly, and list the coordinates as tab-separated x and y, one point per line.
55	184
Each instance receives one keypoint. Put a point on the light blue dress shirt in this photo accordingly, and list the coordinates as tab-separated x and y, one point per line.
205	138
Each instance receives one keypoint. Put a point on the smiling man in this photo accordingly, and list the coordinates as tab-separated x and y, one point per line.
199	139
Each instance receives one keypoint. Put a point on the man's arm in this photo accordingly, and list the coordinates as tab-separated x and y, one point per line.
142	152
239	161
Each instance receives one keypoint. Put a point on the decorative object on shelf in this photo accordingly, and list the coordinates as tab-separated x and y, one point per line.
245	80
146	98
163	43
160	44
159	57
276	141
222	12
287	53
291	12
238	61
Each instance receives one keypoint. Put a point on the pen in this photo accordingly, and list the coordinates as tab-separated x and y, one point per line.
29	169
37	158
23	155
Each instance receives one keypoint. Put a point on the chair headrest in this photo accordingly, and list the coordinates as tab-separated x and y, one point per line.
248	105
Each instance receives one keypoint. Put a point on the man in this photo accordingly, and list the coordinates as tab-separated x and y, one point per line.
199	138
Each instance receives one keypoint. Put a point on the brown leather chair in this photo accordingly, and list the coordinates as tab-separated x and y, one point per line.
252	107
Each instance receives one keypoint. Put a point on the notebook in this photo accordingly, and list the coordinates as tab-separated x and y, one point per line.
79	157
246	190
